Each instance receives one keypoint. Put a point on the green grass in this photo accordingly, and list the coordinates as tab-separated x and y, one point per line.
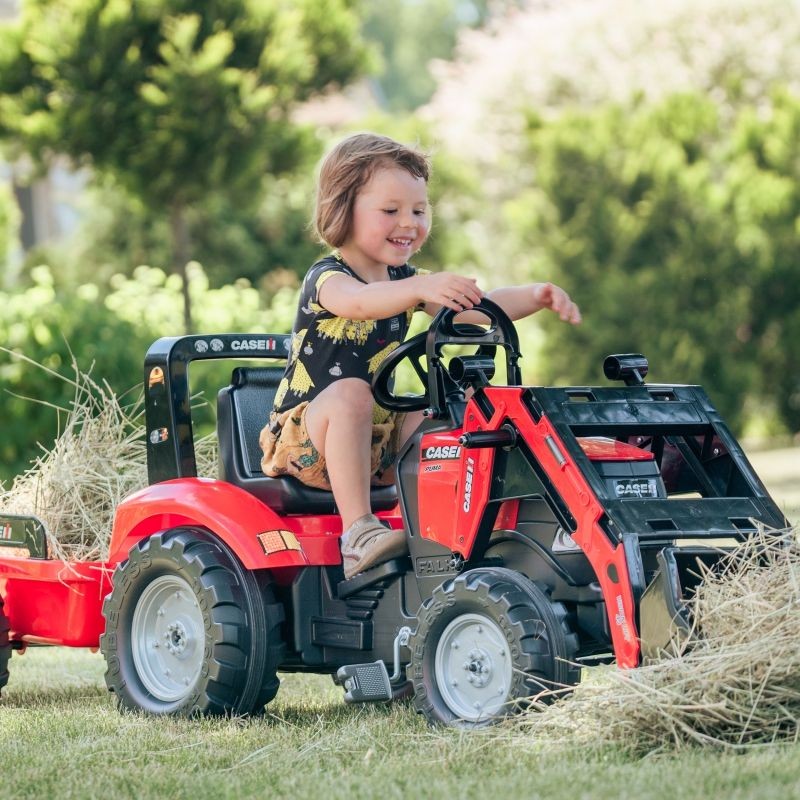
61	736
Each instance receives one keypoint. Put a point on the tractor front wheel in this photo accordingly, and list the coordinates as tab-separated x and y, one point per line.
189	630
486	642
5	647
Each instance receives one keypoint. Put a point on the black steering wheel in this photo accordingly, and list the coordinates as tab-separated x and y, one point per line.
464	371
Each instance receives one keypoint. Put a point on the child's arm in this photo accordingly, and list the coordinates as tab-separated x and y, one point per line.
347	297
522	301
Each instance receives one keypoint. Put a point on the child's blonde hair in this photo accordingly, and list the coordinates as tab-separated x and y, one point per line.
346	168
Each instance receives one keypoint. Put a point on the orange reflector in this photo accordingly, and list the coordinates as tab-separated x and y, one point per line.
277	541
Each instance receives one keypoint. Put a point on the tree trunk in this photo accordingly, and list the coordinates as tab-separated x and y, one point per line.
181	253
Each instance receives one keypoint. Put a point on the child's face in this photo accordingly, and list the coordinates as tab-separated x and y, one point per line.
390	220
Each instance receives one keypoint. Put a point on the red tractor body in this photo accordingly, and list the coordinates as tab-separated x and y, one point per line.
547	528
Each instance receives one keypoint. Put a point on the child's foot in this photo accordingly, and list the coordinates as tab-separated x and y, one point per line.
367	542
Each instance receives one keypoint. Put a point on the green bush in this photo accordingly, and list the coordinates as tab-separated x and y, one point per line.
109	337
49	329
674	227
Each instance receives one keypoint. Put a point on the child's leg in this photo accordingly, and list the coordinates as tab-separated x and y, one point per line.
339	422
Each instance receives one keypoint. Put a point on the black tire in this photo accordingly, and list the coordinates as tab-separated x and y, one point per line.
189	631
5	647
513	640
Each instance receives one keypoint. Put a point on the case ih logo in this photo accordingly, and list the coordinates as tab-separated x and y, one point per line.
468	483
253	344
635	487
441	453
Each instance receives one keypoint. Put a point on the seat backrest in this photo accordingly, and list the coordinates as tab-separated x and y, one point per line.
251	395
243	410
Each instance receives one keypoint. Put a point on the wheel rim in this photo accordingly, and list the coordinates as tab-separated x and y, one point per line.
168	638
473	668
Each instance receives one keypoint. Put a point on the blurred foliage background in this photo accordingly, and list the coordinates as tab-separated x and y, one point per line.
642	154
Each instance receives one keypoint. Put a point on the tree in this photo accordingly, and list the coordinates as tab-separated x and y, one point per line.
410	34
177	101
550	56
9	226
676	233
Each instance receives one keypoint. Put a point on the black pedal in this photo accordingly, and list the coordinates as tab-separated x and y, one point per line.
389	569
365	683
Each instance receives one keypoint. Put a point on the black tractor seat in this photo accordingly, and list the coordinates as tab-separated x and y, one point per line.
242	412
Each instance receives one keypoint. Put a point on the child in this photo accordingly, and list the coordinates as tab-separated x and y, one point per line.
354	309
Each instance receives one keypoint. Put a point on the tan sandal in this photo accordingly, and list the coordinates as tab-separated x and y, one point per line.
367	543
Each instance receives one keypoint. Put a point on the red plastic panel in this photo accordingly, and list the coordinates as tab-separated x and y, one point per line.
599	448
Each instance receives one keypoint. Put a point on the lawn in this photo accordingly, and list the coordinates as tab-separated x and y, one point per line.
61	737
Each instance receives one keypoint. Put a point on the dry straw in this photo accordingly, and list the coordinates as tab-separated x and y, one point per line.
733	683
97	459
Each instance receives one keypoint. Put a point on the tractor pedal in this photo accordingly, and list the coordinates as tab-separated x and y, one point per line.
364	683
389	569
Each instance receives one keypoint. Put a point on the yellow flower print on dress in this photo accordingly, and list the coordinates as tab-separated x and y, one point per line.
283	387
346	330
297	340
301	381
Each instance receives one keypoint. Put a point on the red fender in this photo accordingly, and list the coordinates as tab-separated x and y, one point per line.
259	537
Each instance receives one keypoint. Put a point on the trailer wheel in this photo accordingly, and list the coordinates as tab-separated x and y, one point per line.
486	642
189	630
5	647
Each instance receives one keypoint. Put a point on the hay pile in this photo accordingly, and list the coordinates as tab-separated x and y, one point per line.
98	458
734	683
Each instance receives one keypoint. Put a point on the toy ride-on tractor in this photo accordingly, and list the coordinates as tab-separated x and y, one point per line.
547	528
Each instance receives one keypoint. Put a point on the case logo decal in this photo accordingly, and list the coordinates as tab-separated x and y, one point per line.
468	483
253	344
441	453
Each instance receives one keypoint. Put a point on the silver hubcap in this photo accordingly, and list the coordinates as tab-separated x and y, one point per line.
473	667
168	638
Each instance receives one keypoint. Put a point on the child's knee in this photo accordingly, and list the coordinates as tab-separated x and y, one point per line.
353	396
349	397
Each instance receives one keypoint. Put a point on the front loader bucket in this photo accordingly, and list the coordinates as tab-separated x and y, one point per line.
664	611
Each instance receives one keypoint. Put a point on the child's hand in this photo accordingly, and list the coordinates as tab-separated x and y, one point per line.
450	290
548	295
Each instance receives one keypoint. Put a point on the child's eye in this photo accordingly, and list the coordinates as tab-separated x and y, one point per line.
420	212
389	210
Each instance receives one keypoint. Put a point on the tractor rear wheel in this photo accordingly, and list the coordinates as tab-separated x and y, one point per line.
5	647
486	643
189	630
